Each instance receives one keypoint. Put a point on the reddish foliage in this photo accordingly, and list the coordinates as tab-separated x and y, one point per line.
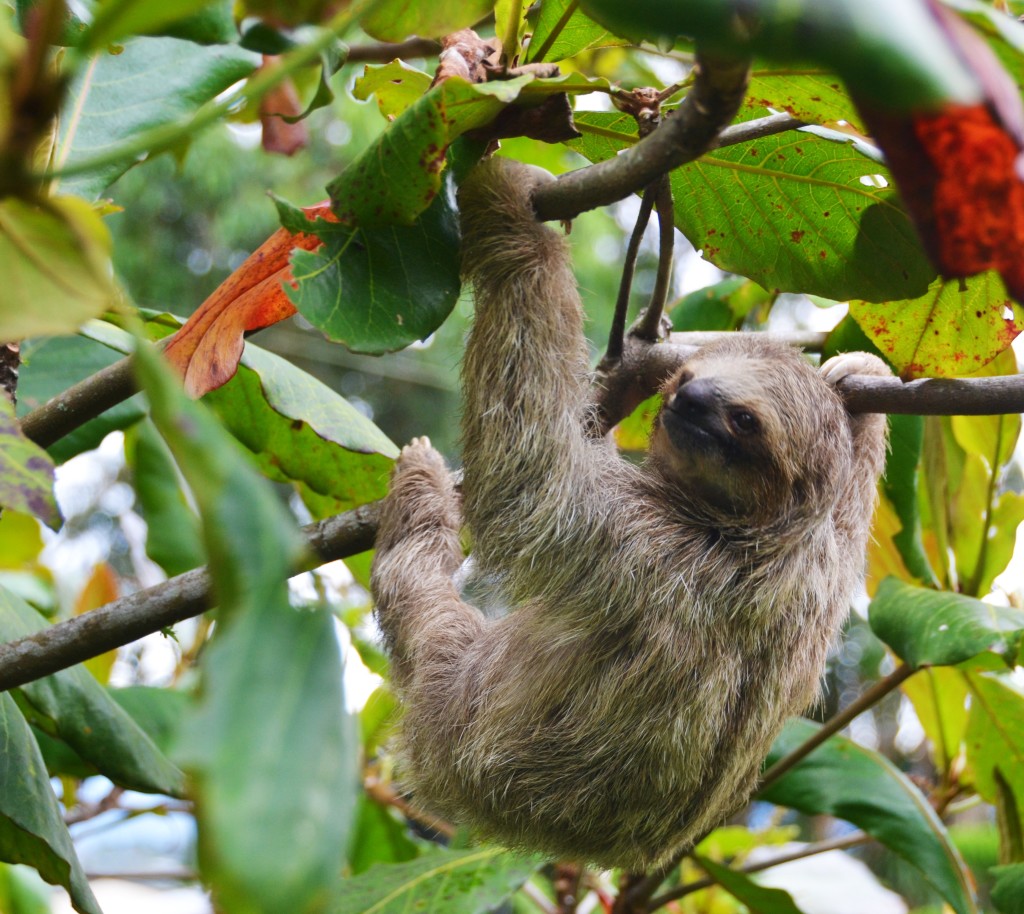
957	171
206	350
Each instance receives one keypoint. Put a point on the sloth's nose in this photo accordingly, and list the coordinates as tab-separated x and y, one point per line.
696	397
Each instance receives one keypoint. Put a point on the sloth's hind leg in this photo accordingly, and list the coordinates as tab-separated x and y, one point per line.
426	625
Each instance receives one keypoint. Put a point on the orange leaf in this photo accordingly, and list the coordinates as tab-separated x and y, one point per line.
206	350
100	589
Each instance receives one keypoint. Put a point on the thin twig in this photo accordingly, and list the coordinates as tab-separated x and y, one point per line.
59	646
617	334
78	404
649	327
867	700
809	850
718	90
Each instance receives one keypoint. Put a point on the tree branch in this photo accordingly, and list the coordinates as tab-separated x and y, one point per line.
146	611
385	51
685	135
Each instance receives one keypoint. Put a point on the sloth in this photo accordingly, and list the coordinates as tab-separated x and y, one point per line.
667	617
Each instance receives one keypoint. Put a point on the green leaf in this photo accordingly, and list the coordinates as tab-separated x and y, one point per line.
995	746
86	718
32	829
457	882
955	328
149	82
1008	891
845	780
935	628
22	891
721	306
398	175
393	20
379	837
55	260
939	696
117	19
26	471
158	712
758	898
269	747
172	537
900	486
898	55
50	365
793	212
811	94
396	85
377	290
563	30
301	431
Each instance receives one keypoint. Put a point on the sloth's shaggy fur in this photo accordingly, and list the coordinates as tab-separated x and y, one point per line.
668	617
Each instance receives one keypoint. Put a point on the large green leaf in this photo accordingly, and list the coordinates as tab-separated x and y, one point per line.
898	55
845	780
301	431
26	471
756	897
148	82
457	882
86	718
955	328
117	19
393	20
812	94
939	696
562	30
269	747
55	260
1008	892
929	627
995	747
379	837
900	485
794	212
32	829
172	527
379	289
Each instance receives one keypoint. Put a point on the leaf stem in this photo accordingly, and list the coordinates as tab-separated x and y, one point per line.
809	850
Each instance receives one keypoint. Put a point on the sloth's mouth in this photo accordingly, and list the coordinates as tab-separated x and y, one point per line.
687	428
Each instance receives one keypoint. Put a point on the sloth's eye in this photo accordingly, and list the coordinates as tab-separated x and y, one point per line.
743	422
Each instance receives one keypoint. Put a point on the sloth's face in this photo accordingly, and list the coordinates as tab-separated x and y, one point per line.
751	434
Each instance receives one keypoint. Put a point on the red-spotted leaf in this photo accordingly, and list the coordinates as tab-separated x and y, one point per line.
957	327
850	782
937	628
396	178
206	350
794	212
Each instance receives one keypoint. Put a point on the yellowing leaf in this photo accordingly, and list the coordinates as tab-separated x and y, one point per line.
55	263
